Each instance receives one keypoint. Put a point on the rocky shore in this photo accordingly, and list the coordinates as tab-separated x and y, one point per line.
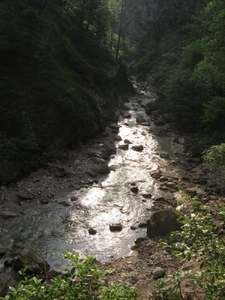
81	167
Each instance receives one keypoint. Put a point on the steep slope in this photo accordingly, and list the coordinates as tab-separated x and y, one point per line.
58	82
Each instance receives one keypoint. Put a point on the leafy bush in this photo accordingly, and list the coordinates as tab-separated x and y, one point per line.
215	156
83	280
202	241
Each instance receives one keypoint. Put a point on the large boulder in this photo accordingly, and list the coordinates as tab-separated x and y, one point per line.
150	106
9	171
34	263
162	222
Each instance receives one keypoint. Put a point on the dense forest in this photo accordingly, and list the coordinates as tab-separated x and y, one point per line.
185	55
63	64
59	76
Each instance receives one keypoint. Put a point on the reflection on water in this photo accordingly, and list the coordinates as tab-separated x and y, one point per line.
50	229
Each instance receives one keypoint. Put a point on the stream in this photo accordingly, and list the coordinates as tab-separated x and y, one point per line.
50	229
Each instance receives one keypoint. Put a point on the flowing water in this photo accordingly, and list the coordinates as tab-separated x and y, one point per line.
49	229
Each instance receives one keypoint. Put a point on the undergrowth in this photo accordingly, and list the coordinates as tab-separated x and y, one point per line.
202	241
82	280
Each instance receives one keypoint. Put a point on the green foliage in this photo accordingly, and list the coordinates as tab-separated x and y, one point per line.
54	77
82	280
215	156
188	65
200	240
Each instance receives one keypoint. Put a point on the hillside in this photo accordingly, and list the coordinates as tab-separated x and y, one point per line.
58	80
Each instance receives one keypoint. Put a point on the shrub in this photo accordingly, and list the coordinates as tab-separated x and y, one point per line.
202	241
83	280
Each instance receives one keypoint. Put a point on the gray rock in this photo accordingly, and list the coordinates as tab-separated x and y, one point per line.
9	171
34	263
126	141
123	147
158	273
65	203
7	214
134	189
162	222
92	230
140	119
25	194
156	174
116	227
91	173
137	148
149	107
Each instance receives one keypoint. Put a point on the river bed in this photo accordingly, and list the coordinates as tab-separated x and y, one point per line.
50	229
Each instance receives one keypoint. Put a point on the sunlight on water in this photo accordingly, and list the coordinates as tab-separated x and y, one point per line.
50	229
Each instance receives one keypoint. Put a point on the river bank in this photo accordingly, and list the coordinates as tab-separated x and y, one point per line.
167	166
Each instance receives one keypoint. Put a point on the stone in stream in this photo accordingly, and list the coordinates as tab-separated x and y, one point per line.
65	203
142	224
123	146
127	116
92	230
140	119
117	137
7	214
134	189
146	195
34	263
116	227
126	141
156	174
137	148
114	126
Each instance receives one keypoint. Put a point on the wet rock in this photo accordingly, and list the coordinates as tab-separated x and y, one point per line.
164	155
73	198
138	148
91	173
65	203
123	146
101	169
127	116
3	285
92	230
114	126
2	251
162	222
9	171
133	227
158	273
134	189
149	107
161	121
162	132
116	227
7	214
146	196
26	194
34	263
181	140
8	263
142	224
140	119
117	137
156	174
140	240
44	201
57	169
126	141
